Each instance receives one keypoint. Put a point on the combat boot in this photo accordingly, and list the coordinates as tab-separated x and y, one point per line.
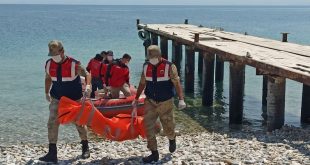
51	156
172	145
85	149
153	157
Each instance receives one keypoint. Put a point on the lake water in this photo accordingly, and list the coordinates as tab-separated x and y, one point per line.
25	31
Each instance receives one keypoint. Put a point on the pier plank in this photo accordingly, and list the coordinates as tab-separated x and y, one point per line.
287	60
302	50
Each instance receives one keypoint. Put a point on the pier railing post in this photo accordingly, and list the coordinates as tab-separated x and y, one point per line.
177	54
189	69
208	78
196	38
275	102
219	70
137	23
154	39
164	47
236	92
186	21
284	37
305	105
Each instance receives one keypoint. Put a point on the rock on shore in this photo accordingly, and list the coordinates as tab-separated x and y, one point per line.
286	146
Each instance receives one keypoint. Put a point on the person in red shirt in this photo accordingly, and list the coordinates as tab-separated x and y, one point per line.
104	55
117	77
108	57
94	67
103	72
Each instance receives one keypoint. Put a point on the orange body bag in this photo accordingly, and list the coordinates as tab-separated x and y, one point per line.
119	128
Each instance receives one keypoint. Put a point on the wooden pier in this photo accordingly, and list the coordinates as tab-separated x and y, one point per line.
274	60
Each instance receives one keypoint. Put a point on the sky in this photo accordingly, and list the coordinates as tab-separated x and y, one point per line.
161	2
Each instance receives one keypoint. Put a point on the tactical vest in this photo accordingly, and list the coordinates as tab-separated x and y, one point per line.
65	81
159	86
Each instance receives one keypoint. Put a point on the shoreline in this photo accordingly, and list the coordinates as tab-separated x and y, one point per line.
290	145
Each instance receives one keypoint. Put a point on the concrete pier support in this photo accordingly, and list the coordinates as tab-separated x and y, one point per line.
154	39
164	47
219	70
208	78
275	102
189	69
200	61
177	54
147	43
236	92
305	105
264	97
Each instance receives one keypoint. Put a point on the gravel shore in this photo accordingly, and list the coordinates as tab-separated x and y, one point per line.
290	145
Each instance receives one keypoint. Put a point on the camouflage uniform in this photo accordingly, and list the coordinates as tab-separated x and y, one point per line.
125	89
163	110
53	124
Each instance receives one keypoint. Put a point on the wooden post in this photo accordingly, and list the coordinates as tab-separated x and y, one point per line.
264	97
200	61
164	47
154	39
275	102
219	70
186	21
208	79
284	37
196	39
177	55
189	69
138	22
236	92
305	105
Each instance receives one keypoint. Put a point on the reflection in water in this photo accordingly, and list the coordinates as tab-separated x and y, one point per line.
219	98
199	118
264	115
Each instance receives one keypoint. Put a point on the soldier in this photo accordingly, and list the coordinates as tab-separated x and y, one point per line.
160	80
62	78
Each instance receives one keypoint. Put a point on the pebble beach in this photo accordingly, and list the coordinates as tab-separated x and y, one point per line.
290	145
204	134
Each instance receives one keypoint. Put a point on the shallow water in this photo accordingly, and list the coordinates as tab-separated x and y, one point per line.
86	30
